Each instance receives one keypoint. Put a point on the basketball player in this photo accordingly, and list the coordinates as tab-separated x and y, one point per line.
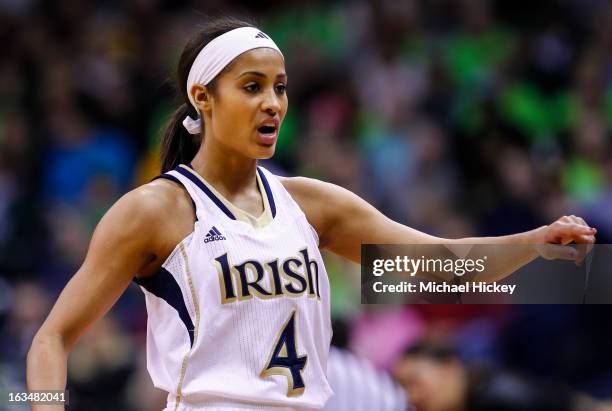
227	253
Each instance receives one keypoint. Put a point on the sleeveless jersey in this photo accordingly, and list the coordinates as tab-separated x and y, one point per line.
239	313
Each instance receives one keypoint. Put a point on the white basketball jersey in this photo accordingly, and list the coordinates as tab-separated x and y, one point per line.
239	315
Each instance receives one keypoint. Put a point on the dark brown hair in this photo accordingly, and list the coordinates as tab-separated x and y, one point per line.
178	146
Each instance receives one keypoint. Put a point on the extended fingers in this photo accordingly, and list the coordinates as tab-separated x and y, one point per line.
564	231
571	229
572	219
589	239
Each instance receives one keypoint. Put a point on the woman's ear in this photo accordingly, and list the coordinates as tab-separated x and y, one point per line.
201	97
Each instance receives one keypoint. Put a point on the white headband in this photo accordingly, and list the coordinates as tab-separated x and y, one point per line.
216	55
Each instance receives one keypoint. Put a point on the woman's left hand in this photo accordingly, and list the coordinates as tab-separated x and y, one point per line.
564	231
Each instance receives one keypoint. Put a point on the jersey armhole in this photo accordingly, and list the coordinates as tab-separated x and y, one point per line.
177	181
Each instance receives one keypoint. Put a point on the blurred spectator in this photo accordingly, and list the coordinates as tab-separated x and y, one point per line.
104	358
435	379
27	305
358	386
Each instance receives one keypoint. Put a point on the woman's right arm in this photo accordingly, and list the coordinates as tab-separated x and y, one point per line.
125	243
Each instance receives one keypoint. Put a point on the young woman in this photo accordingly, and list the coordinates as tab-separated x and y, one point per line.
227	253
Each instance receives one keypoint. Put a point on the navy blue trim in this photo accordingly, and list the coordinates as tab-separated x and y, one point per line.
176	180
163	285
268	192
195	180
168	177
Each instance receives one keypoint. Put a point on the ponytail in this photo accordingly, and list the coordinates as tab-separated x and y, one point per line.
178	146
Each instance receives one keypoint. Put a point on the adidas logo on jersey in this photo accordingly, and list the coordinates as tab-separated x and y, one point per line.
214	235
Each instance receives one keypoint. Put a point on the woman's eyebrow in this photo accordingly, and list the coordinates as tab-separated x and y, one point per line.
260	74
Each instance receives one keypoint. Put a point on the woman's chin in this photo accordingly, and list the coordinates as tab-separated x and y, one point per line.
265	152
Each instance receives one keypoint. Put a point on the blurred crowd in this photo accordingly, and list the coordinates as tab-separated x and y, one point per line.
456	117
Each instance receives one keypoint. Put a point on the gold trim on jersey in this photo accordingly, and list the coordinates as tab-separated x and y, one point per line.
257	222
196	306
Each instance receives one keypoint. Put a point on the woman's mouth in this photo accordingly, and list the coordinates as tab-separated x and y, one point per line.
267	134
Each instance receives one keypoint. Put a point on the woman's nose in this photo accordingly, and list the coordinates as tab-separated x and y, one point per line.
271	102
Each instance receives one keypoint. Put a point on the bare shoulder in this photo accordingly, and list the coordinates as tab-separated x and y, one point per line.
322	203
151	201
304	186
159	207
310	191
309	194
161	196
149	220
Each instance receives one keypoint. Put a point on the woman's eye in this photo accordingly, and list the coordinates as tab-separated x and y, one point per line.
252	88
281	88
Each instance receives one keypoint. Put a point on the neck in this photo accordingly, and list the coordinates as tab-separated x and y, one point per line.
228	171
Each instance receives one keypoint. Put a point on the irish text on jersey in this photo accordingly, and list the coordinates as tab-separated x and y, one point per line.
292	277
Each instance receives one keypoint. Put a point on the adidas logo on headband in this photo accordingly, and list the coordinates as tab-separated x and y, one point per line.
261	35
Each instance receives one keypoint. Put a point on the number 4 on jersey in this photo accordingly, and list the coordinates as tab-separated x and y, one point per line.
284	359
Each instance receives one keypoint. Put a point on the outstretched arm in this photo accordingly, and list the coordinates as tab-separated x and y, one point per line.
344	221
